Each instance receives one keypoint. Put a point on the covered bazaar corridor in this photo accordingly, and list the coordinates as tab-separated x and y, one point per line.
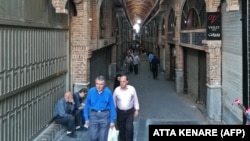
159	104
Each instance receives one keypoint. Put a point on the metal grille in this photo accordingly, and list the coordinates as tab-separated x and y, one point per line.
33	66
29	55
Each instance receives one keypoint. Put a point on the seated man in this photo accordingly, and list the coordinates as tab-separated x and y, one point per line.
79	101
64	113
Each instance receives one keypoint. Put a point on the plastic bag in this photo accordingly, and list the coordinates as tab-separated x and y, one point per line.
113	134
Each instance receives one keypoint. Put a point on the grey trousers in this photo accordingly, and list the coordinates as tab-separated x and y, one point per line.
99	125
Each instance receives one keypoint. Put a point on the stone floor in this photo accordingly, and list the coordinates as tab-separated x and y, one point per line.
159	104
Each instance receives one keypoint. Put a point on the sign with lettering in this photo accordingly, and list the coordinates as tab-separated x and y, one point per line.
213	26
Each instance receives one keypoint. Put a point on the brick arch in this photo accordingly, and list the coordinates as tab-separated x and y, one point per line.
199	14
163	23
105	18
171	20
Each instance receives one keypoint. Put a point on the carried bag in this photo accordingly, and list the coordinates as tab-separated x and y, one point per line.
113	134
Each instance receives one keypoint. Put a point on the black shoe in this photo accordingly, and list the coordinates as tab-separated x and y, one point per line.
72	135
82	129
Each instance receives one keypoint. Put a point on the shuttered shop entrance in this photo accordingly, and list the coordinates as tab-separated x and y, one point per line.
202	98
195	74
99	64
231	61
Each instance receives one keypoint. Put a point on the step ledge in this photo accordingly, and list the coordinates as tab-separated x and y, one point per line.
51	133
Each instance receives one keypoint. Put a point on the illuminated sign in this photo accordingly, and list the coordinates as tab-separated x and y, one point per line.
213	26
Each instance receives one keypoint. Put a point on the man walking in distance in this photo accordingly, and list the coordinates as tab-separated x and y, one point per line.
136	62
155	64
127	106
99	110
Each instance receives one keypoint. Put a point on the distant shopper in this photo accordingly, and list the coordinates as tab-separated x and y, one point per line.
128	63
64	113
99	110
155	64
150	58
136	62
127	105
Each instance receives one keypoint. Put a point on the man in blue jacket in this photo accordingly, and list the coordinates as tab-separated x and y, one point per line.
64	113
99	110
150	58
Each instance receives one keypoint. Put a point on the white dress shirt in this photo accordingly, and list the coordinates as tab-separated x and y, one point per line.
126	99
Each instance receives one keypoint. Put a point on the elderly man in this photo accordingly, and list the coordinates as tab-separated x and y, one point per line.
127	105
99	110
64	113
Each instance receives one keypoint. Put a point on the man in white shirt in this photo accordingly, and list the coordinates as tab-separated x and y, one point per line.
136	62
127	105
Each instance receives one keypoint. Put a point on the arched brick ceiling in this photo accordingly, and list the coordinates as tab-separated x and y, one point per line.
138	9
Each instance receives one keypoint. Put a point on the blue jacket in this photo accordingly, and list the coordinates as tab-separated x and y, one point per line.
150	57
101	101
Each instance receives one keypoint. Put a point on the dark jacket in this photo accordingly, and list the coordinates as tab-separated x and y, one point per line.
77	99
116	82
63	108
155	63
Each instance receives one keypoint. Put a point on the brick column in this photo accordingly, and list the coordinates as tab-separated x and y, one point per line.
233	5
213	49
212	5
80	46
214	93
179	73
59	6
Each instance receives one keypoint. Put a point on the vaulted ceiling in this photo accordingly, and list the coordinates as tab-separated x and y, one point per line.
138	9
143	10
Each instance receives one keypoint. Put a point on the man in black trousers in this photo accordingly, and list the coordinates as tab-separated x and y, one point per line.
155	64
127	106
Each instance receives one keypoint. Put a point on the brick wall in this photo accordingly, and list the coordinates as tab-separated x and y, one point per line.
108	19
94	27
80	45
84	36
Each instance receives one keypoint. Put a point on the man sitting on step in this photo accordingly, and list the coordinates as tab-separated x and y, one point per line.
64	113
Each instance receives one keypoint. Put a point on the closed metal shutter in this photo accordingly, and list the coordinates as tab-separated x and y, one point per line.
231	62
202	98
195	75
192	71
99	64
33	67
